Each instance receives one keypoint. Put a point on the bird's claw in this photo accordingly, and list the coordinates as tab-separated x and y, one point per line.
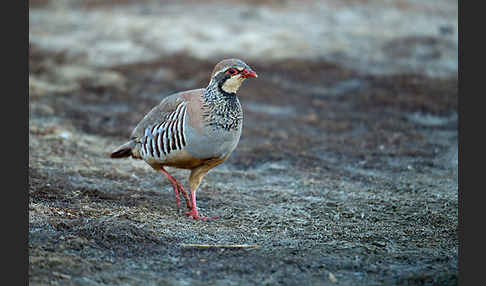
195	215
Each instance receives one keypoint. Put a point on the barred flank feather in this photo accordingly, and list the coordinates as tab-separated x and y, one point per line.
161	139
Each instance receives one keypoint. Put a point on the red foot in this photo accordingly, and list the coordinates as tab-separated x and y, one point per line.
194	214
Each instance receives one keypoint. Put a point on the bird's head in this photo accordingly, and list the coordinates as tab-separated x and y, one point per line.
229	74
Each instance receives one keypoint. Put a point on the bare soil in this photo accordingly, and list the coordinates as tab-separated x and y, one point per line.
341	177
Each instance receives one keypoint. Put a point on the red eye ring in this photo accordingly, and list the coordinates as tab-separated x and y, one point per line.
232	71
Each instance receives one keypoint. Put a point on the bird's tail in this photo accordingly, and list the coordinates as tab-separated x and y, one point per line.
124	150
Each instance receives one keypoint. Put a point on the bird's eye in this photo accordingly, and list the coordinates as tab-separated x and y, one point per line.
231	71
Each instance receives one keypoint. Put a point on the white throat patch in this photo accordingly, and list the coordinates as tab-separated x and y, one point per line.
232	84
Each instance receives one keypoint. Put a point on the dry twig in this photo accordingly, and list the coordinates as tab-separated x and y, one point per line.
219	245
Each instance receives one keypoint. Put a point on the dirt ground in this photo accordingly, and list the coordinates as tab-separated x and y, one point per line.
342	176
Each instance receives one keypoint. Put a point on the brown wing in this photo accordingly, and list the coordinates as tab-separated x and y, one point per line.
159	114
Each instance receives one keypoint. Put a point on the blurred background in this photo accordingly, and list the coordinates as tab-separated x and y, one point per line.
381	37
346	168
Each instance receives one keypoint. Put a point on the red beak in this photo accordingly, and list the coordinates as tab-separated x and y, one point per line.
248	73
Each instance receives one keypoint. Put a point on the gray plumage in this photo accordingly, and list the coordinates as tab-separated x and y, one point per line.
195	130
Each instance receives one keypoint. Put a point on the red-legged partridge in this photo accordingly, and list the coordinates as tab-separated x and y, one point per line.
196	130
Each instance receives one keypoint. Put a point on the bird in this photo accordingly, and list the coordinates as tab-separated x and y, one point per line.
195	130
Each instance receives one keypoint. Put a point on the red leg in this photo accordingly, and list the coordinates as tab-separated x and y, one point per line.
194	213
177	187
184	193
